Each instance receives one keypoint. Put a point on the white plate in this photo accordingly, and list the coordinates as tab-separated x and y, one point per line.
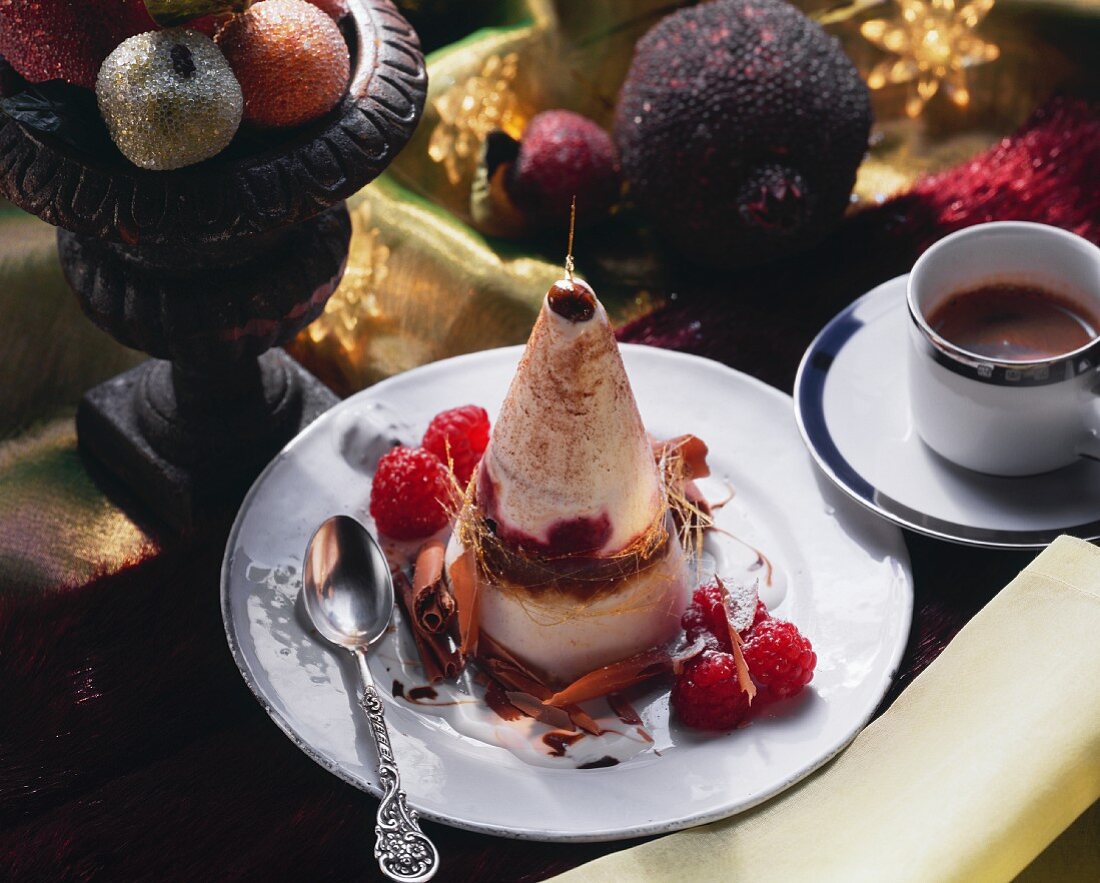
843	577
852	405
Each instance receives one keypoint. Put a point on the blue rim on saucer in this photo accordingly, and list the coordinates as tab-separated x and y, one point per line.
814	373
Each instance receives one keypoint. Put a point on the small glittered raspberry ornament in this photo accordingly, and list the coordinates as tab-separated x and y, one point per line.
169	99
529	185
66	40
290	59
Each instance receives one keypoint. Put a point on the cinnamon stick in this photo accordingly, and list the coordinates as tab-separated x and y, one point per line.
438	651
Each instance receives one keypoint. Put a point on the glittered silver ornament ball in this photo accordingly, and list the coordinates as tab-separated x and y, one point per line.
169	99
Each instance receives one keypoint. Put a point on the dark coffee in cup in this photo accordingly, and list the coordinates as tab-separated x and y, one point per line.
1009	321
1004	352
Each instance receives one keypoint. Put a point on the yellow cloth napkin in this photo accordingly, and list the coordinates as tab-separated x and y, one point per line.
986	758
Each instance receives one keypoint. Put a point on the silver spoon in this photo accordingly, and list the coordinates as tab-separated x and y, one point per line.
348	593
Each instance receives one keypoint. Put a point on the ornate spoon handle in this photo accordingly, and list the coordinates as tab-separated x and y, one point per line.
402	849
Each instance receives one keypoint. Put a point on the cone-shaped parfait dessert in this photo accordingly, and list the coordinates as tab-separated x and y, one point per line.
566	531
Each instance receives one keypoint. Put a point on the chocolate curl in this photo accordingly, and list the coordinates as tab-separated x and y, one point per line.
615	677
437	651
514	675
509	671
692	452
691	449
680	657
582	720
433	601
526	692
739	663
547	714
464	587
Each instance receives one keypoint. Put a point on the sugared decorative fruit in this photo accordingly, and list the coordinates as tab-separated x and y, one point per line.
337	9
707	695
291	61
740	127
562	155
529	185
410	494
459	436
779	657
169	99
65	40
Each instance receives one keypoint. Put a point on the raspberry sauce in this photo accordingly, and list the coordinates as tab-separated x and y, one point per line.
572	536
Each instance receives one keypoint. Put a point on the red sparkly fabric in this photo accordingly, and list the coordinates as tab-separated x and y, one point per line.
131	749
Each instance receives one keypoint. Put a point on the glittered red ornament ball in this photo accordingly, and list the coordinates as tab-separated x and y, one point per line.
740	128
67	39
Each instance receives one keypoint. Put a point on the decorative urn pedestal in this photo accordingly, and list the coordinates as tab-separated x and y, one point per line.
209	268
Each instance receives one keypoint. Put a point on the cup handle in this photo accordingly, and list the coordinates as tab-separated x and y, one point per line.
1089	445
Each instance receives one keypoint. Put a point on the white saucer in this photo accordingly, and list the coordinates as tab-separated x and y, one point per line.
842	575
852	405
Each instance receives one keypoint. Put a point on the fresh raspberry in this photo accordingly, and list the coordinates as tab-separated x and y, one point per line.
779	658
410	494
760	615
459	436
707	615
707	695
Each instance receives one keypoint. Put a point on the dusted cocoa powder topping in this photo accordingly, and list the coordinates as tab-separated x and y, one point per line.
572	299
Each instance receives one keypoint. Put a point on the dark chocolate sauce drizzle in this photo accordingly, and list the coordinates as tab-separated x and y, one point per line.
557	742
599	764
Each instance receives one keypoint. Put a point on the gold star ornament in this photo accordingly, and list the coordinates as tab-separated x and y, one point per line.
934	44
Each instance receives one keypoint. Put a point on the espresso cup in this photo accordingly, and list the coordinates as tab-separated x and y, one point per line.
1005	416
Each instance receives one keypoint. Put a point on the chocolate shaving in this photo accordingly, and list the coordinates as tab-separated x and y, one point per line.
509	671
438	652
615	677
690	448
540	711
514	675
739	663
687	654
498	702
464	586
582	720
622	707
433	600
